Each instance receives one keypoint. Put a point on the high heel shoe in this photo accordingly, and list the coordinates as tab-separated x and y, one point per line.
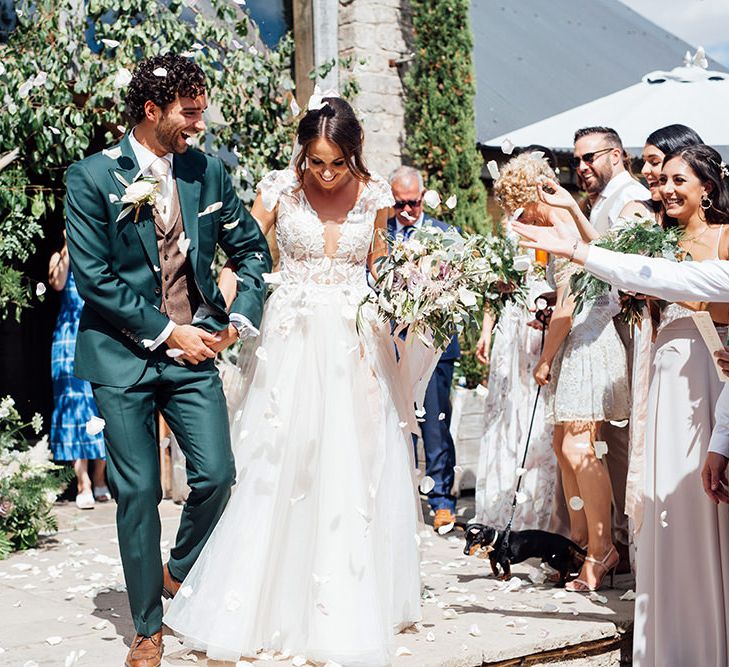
608	564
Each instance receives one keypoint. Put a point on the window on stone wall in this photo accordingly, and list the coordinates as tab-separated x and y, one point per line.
274	18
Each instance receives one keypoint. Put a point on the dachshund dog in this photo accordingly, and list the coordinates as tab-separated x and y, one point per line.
559	552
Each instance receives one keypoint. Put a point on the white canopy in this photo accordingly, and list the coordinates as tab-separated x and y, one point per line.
690	94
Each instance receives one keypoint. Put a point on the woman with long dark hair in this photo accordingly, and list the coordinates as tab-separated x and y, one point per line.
316	553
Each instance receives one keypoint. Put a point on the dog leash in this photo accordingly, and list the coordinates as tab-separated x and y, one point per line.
542	316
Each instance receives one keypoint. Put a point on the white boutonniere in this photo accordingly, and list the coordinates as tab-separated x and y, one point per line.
143	190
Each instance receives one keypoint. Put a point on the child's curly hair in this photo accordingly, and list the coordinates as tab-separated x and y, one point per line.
516	185
183	77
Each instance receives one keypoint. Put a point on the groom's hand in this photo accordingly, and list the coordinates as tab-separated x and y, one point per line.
225	338
195	343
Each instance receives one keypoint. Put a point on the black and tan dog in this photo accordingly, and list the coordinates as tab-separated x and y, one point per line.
557	551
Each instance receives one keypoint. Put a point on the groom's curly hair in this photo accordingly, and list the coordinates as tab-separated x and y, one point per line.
181	76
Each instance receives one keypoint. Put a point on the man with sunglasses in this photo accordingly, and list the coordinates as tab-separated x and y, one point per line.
600	162
440	452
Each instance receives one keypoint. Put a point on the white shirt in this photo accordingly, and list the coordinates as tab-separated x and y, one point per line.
673	281
620	191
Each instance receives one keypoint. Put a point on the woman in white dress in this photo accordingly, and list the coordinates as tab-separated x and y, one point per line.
316	552
512	390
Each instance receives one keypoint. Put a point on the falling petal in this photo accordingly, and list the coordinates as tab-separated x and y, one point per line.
299	661
54	130
197	46
431	198
161	72
457	469
253	50
576	503
620	424
147	342
403	650
113	153
521	498
663	517
111	43
262	354
295	108
174	352
232	225
596	597
95	425
601	448
441	416
507	148
186	592
100	625
447	528
628	595
407	216
451	201
493	169
420	412
122	78
430	637
183	243
54	640
427	485
402	424
450	613
474	631
520	471
40	289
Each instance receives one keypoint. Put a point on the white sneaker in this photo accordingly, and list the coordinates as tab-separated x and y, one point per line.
85	501
102	494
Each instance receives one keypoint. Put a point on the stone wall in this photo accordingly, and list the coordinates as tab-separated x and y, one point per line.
377	30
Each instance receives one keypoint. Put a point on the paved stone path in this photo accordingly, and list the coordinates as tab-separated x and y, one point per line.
64	604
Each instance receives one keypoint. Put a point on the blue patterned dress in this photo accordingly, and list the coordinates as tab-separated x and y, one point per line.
73	401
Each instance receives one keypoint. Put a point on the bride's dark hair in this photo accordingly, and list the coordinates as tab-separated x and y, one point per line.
708	166
336	122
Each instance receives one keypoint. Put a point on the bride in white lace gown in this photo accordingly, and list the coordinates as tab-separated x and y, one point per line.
316	552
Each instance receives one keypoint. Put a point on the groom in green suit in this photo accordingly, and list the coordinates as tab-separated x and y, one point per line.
144	219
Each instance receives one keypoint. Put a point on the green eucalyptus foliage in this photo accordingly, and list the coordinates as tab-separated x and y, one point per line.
439	109
63	99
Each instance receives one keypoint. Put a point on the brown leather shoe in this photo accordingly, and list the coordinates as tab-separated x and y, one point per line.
170	586
443	517
145	651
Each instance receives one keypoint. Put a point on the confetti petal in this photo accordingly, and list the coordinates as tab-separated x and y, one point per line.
601	448
295	108
474	631
431	198
111	43
596	597
520	471
95	425
493	169
53	641
161	72
507	148
186	592
122	79
183	243
174	352
430	637
451	201
427	484
261	354
663	517
521	498
447	528
628	595
403	650
576	503
40	289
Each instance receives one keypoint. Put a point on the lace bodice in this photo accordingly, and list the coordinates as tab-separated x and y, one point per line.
316	251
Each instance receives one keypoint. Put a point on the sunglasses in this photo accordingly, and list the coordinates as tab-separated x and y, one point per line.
587	158
412	203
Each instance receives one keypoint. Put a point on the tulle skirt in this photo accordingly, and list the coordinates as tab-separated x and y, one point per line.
316	553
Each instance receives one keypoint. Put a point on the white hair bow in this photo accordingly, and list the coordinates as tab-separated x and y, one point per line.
317	97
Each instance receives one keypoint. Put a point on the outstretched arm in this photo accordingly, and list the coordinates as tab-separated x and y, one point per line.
553	194
654	276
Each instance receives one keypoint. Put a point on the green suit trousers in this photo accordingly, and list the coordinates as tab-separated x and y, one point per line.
192	402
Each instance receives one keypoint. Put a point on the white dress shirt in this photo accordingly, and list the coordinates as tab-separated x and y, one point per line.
620	191
673	281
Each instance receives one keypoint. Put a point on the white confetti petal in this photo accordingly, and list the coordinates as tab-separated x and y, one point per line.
431	198
576	503
113	153
113	198
297	499
295	108
403	650
186	591
550	608
183	243
95	425
451	201
493	169
447	528
620	424
427	484
299	661
54	130
147	342
53	641
161	72
402	424
100	625
596	597
521	498
122	79
520	471
450	613
430	637
559	595
474	631
197	46
601	448
262	354
628	595
111	43
507	148
441	416
253	50
174	352
457	469
40	289
663	517
232	225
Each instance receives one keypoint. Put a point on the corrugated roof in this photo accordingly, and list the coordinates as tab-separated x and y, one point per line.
537	58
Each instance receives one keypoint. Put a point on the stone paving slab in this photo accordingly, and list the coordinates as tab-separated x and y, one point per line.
69	596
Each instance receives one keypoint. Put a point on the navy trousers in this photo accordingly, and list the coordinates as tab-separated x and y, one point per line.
440	452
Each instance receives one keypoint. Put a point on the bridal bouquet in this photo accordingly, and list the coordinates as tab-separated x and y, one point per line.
636	236
435	281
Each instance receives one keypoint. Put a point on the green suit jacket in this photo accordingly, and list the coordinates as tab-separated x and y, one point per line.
115	264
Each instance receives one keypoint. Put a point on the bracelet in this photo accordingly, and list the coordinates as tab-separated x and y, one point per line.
574	250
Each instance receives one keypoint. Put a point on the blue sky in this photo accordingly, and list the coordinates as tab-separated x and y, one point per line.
699	22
